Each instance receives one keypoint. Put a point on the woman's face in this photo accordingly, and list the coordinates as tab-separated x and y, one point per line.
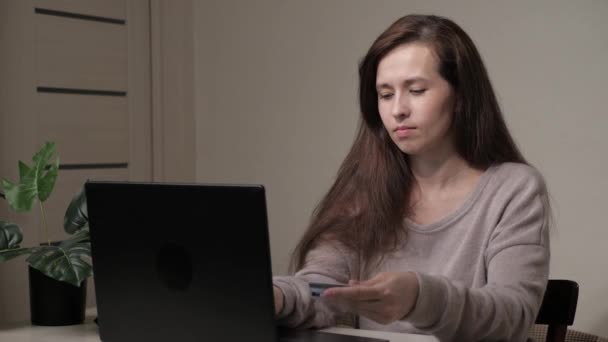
416	104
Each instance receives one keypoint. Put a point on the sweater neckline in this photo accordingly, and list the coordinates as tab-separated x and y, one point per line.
456	214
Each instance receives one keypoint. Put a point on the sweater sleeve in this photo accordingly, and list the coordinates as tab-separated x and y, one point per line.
326	263
517	264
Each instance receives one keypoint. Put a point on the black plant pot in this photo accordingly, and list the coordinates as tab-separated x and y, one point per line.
54	302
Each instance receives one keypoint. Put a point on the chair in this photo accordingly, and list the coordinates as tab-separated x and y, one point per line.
558	308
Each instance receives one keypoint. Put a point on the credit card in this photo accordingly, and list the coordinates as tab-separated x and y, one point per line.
317	288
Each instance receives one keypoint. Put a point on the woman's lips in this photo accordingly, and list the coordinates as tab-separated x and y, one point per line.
404	132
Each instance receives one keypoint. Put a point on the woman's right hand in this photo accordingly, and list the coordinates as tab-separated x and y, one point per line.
278	300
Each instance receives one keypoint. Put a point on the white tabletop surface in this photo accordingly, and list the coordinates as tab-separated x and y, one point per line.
87	332
392	337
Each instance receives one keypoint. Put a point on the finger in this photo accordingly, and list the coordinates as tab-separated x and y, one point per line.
339	304
377	306
352	306
365	307
377	279
353	293
342	306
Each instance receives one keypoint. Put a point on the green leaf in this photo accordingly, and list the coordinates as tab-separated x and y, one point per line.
76	216
20	197
10	235
70	261
10	238
36	182
81	236
43	156
8	254
45	178
25	172
46	182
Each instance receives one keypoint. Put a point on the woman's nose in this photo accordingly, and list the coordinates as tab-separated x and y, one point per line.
401	107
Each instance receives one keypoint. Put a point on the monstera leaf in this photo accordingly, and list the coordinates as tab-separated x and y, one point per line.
70	261
35	182
76	216
10	238
10	235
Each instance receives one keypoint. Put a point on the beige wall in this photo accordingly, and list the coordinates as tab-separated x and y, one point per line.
275	103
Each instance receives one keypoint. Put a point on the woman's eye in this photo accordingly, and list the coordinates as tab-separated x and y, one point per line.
385	96
417	91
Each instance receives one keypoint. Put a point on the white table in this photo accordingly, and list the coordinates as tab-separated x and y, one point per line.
87	332
392	337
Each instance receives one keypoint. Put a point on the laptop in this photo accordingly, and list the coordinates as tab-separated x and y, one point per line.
185	262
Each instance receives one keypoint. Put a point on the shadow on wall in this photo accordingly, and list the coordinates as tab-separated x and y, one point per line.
601	324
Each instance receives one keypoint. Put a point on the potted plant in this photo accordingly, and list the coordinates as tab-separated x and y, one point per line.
57	270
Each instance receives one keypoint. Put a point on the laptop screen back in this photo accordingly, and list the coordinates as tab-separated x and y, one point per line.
176	262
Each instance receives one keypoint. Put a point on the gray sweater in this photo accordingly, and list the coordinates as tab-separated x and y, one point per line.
482	270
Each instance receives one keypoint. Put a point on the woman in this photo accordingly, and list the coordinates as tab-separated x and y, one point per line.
435	221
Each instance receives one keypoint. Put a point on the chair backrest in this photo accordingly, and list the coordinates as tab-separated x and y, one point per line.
558	308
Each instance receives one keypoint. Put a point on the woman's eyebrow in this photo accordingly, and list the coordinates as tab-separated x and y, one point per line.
406	83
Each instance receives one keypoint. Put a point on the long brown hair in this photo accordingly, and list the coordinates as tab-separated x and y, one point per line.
365	207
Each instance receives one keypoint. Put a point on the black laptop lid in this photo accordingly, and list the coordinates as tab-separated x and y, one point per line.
176	262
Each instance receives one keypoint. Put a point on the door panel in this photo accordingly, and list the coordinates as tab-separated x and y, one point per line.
81	54
103	8
87	129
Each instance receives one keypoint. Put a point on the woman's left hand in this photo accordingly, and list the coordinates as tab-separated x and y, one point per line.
385	298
